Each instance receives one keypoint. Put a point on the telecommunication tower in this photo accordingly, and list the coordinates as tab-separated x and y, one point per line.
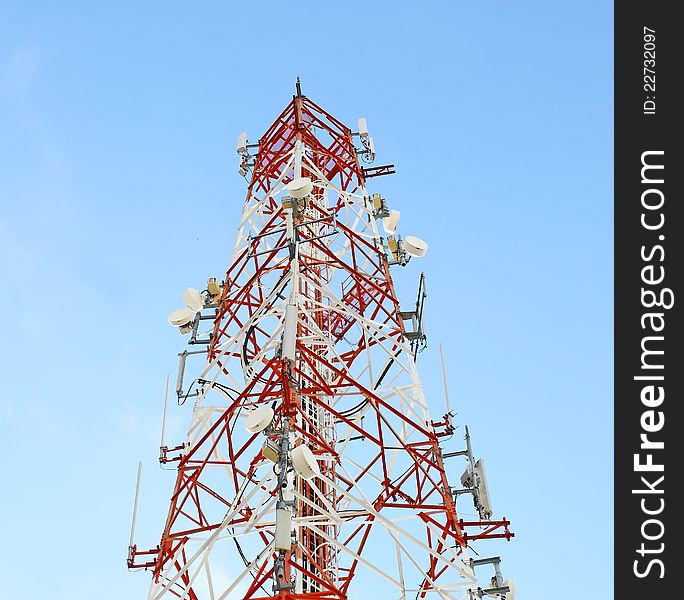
312	468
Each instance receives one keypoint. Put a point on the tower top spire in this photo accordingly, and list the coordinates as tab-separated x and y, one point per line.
298	86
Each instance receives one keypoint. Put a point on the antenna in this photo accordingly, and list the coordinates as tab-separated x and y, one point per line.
241	146
415	246
135	504
300	187
368	146
304	462
474	480
390	222
444	377
193	299
259	419
182	319
166	403
485	505
298	86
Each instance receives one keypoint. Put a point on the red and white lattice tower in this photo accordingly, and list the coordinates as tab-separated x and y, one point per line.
312	467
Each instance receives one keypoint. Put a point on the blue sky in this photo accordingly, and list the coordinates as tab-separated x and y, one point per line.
119	188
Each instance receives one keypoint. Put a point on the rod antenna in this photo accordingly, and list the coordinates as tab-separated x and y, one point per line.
166	403
135	503
444	377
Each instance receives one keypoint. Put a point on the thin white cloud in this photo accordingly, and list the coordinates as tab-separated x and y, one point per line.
7	411
19	72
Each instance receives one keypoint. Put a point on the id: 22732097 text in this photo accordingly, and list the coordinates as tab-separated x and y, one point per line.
649	71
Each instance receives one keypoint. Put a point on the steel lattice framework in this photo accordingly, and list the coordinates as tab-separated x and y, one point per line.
381	513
